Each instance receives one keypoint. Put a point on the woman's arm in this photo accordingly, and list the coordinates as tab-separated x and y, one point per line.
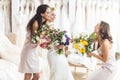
34	27
59	47
105	51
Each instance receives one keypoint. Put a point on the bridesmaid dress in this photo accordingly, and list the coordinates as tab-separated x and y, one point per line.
30	59
109	70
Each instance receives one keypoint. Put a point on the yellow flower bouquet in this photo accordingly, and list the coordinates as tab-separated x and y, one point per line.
84	43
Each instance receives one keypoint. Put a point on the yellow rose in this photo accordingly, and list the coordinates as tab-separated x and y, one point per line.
43	32
82	50
75	46
81	40
85	43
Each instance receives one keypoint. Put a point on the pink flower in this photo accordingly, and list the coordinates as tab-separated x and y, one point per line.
43	45
48	40
42	36
61	46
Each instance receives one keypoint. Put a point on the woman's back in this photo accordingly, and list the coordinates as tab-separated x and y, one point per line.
111	62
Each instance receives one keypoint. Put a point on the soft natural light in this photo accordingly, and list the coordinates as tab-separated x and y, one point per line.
74	16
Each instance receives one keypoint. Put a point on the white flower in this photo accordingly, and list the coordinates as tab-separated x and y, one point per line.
56	43
42	40
33	41
44	26
37	38
35	31
81	45
63	39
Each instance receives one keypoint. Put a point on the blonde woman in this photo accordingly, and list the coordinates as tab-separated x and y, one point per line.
59	68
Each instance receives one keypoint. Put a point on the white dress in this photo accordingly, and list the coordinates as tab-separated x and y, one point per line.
2	23
59	68
108	71
78	25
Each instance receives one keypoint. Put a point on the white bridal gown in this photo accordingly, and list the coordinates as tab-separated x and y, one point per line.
109	70
78	24
59	68
2	25
55	67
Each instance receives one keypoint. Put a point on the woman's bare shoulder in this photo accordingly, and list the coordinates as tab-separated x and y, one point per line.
106	43
35	24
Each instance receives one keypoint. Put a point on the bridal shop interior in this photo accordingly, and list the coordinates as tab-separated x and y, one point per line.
74	16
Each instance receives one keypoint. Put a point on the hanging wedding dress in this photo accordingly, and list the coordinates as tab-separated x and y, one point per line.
37	3
118	28
32	10
89	15
94	4
114	22
21	21
78	25
83	15
6	16
64	21
72	11
95	11
57	11
22	17
26	11
98	12
2	23
45	1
